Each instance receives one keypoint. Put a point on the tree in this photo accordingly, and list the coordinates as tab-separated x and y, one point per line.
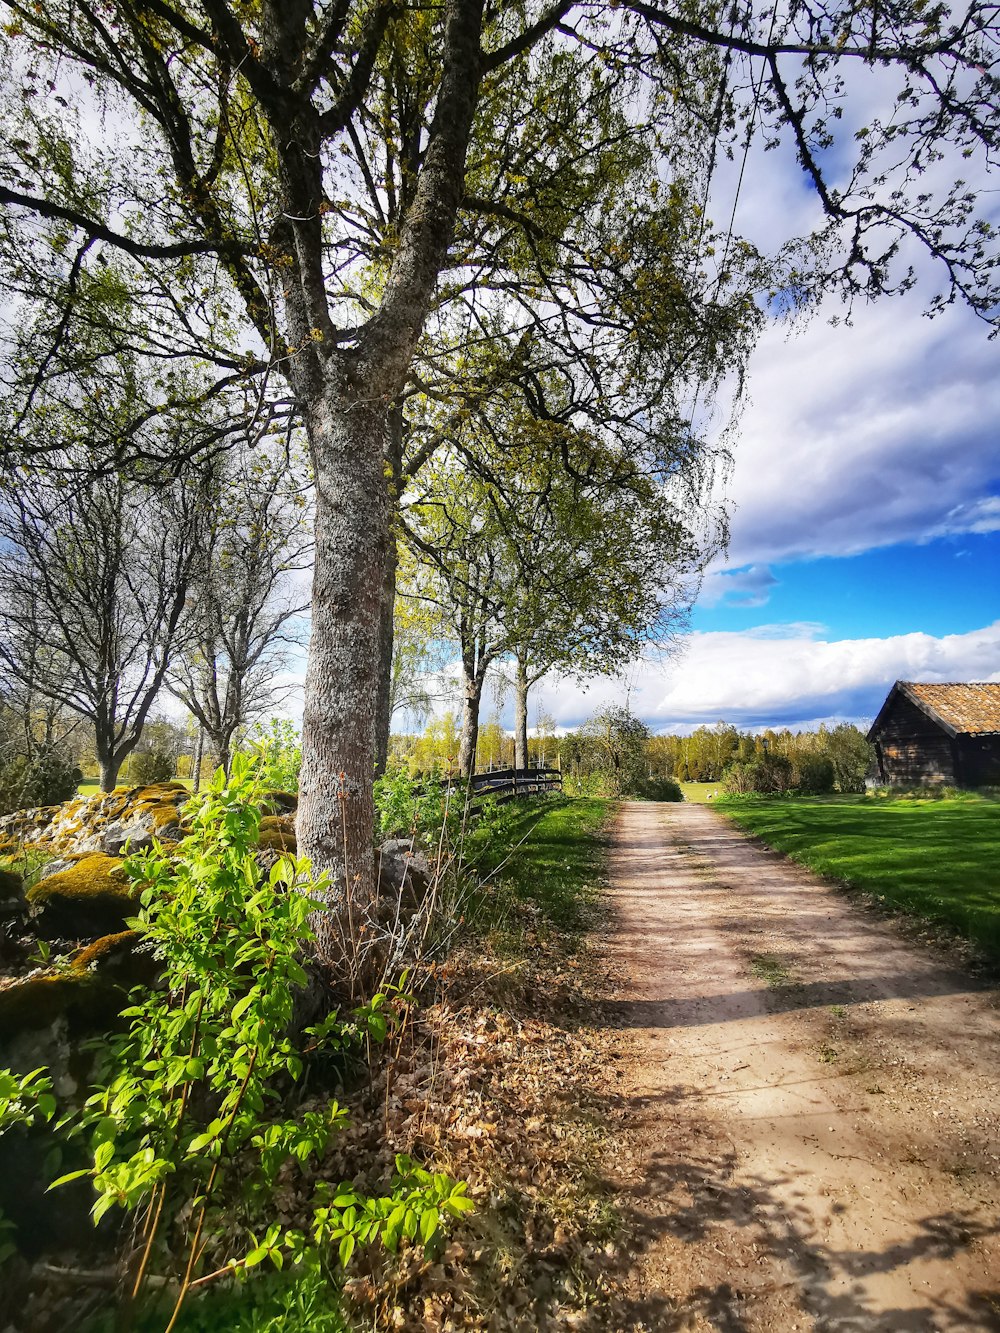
619	739
318	179
96	580
239	619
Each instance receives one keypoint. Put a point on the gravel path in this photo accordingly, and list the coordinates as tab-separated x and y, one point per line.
812	1104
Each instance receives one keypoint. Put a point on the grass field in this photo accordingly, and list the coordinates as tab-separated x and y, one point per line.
92	788
559	865
938	859
701	792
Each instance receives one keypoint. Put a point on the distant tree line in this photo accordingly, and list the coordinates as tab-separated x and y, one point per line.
616	752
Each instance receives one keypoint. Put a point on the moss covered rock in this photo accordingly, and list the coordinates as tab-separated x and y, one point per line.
277	833
279	803
35	1002
91	898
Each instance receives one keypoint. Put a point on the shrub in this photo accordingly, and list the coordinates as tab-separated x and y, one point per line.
149	767
189	1120
764	776
48	779
619	742
813	774
658	789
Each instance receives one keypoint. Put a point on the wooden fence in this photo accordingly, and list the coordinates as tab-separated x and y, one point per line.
504	784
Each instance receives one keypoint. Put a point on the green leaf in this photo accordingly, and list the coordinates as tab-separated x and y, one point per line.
71	1175
430	1224
346	1250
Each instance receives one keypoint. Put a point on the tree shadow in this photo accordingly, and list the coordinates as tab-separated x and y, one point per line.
702	1198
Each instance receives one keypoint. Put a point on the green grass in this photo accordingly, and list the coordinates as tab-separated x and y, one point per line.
92	788
938	859
560	862
699	792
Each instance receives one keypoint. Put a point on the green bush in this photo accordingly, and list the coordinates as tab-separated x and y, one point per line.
48	779
813	774
658	789
150	766
193	1116
766	775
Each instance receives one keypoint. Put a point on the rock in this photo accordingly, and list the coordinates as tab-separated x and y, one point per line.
104	823
279	803
277	834
402	870
92	897
11	885
35	1002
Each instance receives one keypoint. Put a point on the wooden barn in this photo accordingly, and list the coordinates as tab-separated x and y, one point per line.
938	734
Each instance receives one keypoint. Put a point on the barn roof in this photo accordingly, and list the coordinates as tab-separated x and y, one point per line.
964	708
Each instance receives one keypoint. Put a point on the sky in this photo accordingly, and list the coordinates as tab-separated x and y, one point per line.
865	534
864	498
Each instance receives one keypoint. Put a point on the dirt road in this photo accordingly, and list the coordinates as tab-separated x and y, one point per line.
811	1104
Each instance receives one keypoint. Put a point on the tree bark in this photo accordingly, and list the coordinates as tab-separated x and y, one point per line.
521	686
199	751
470	725
108	767
336	806
383	724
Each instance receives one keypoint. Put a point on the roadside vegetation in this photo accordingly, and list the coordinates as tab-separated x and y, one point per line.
254	1170
934	855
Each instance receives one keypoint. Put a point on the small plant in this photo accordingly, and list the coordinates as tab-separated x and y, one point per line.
772	970
277	751
147	767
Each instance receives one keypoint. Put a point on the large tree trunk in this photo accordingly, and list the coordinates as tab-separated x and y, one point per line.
470	725
383	721
336	807
109	761
521	714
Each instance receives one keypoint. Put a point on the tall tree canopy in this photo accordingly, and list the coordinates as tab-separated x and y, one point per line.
281	205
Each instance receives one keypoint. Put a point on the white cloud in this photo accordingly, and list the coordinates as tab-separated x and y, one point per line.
865	436
737	587
778	674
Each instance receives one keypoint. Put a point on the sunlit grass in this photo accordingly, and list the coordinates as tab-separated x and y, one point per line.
700	793
92	788
553	857
935	858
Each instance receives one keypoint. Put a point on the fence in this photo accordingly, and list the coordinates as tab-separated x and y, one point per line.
504	784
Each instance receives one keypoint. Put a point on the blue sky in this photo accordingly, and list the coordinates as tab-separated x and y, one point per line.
865	512
943	586
865	532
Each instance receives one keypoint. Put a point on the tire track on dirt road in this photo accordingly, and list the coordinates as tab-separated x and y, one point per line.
812	1127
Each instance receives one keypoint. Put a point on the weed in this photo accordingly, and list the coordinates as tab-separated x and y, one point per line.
772	970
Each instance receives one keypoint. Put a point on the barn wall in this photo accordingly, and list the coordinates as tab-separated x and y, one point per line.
979	761
913	749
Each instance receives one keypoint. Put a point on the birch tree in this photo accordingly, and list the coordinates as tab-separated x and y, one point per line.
96	580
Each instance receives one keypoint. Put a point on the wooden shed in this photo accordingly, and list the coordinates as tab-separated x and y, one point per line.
938	734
